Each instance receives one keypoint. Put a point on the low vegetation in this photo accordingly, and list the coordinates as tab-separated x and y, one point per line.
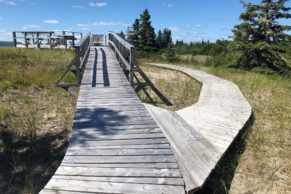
35	117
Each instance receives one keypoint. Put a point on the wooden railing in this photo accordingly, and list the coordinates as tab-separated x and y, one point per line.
126	55
82	49
45	39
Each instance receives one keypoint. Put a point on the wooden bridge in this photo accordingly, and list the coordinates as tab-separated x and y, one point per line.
120	145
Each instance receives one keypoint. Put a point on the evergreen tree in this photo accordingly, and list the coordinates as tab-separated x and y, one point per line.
166	38
134	34
258	36
159	40
169	53
147	34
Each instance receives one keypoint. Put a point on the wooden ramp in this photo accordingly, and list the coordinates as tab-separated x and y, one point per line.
115	146
202	133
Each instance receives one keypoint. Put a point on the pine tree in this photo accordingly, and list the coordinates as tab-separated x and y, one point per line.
147	34
258	36
159	40
166	38
134	34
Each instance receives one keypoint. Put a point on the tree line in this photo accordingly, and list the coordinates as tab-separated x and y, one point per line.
142	35
260	40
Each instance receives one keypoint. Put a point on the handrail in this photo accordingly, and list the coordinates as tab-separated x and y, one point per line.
125	53
82	49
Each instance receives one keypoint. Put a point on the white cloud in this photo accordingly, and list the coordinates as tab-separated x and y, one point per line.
83	29
176	28
1	18
101	23
102	4
51	21
26	27
13	3
83	25
77	7
169	5
33	26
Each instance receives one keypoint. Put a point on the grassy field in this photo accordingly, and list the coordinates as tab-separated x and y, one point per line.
264	166
35	117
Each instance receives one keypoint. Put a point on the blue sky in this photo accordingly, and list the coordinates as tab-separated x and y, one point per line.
189	20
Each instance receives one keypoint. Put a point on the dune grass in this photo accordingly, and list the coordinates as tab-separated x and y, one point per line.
180	89
264	166
35	117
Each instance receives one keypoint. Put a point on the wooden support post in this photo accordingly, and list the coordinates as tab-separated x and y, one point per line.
37	40
14	39
73	41
132	64
25	39
78	63
50	39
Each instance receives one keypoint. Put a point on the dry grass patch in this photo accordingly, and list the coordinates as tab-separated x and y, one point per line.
35	117
179	88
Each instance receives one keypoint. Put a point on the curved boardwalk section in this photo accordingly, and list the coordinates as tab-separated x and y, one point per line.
115	146
201	134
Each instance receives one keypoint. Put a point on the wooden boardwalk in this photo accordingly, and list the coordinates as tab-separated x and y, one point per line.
115	146
202	133
120	145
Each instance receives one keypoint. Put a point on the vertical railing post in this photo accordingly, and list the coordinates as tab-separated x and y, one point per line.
132	64
78	63
37	40
25	39
14	39
73	41
50	39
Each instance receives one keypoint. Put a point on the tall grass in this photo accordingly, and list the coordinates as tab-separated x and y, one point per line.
34	117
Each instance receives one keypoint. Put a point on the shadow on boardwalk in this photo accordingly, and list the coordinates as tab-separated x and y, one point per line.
26	166
219	182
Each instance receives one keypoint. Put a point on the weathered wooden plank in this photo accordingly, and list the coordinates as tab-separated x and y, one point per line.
88	143
155	165
120	159
134	146
141	180
118	152
93	137
58	186
117	172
